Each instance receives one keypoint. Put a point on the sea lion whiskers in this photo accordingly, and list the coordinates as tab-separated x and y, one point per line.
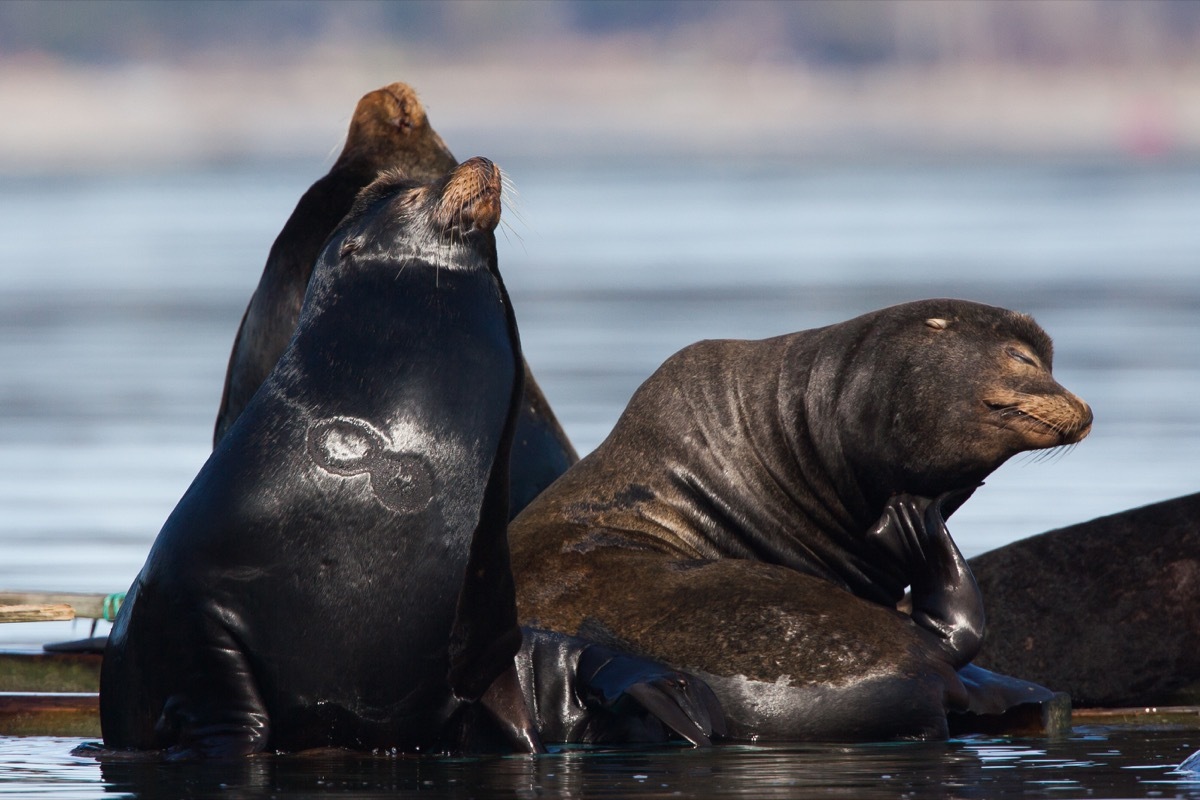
1061	414
1052	454
509	197
1007	413
1047	454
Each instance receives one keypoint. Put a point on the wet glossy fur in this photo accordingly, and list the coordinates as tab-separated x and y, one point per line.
726	525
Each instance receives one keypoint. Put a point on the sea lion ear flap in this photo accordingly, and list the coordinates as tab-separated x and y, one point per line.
937	323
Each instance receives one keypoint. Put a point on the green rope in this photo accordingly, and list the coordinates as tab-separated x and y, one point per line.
112	604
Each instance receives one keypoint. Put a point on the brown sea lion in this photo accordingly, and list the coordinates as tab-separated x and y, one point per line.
758	511
388	132
337	573
1107	610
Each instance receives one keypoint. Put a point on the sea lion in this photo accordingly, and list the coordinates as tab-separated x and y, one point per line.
361	501
761	506
389	131
1107	610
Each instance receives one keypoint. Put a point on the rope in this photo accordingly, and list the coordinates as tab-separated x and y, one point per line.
111	605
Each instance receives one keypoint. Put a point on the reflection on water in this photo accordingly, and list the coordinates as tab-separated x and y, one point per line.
1101	763
120	295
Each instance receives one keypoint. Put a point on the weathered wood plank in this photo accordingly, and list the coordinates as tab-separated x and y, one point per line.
85	604
1180	717
56	714
36	613
47	672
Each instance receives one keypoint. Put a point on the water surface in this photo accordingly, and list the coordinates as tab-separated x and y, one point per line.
1092	762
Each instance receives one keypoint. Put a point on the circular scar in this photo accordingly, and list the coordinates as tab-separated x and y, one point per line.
347	447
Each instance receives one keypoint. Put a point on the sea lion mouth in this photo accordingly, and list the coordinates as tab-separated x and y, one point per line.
471	199
1042	420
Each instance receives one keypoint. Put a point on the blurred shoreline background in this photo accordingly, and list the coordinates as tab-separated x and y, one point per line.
127	84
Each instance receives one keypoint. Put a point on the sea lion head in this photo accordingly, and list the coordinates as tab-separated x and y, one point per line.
935	395
390	128
450	222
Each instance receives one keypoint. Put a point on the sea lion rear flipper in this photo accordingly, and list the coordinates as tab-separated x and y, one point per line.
680	701
1002	704
583	692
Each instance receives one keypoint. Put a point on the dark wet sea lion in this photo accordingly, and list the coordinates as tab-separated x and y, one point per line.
389	131
1107	610
757	513
337	574
360	501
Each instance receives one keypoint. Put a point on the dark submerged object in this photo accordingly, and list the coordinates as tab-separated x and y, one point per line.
337	574
1108	610
388	132
760	507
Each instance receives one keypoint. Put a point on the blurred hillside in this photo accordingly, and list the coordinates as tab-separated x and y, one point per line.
106	84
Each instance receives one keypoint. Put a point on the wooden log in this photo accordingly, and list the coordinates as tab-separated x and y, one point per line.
1175	717
58	714
36	613
49	672
85	604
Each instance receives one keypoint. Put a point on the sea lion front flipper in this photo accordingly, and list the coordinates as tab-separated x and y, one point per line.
945	598
221	716
506	703
682	702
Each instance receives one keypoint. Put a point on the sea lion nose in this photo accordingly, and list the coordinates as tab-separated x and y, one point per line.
479	171
1077	428
1085	418
472	195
